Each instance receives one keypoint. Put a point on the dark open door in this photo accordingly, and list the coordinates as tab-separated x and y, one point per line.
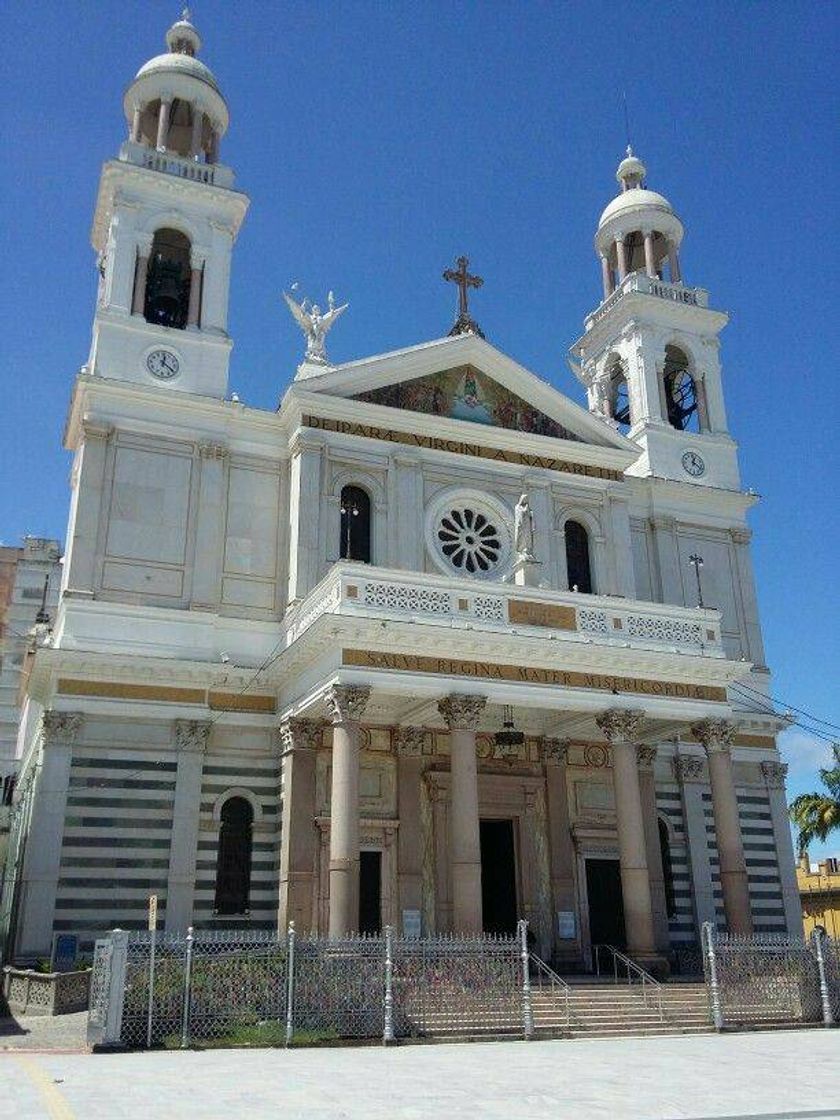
498	877
606	908
370	892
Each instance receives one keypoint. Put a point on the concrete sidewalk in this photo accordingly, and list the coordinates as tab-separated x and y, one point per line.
780	1075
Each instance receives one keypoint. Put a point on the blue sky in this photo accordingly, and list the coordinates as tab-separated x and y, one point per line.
378	141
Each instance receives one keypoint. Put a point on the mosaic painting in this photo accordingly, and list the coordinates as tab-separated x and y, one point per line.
466	394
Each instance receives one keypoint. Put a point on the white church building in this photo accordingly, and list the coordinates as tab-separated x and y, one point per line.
423	647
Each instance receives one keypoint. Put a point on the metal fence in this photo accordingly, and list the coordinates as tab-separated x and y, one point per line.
237	987
768	979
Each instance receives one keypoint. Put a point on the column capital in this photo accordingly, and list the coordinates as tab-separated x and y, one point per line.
714	734
93	430
620	724
741	535
645	756
555	752
61	729
296	734
346	702
409	741
192	734
213	451
774	774
689	769
461	712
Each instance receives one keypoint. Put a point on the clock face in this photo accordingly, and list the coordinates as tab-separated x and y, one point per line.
693	464
163	364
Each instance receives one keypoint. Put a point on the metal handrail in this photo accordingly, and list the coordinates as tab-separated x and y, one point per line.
633	971
557	983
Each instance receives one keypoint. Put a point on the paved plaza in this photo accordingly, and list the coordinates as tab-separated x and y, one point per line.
780	1075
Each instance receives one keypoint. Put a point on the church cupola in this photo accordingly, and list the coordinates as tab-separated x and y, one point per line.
649	355
174	103
638	231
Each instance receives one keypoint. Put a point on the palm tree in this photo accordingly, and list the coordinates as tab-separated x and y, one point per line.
818	814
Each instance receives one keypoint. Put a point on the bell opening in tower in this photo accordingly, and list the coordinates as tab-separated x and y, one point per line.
167	296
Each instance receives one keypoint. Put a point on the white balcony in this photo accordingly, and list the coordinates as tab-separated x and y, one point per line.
214	174
648	285
359	590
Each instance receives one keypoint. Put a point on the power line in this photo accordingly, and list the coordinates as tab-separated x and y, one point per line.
790	707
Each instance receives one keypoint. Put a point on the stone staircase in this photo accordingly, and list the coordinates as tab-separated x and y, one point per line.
596	1009
602	1009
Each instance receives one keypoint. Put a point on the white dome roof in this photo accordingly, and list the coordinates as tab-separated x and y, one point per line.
634	200
179	64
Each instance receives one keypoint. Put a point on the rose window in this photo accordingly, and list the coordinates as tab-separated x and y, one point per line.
469	540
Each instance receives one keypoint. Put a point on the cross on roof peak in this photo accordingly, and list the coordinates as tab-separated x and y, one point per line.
464	281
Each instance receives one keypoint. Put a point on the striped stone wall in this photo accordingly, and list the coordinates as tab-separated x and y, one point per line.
115	847
681	927
224	773
761	856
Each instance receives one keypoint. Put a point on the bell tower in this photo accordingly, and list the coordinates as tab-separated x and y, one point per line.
166	220
649	355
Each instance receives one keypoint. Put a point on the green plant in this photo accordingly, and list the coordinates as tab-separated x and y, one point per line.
818	814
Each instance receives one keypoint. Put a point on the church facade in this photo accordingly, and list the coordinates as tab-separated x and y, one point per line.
422	647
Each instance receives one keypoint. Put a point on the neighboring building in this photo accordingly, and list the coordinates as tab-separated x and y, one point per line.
30	577
295	649
23	574
819	890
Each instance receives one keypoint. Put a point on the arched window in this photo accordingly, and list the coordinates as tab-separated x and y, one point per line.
578	564
667	870
168	280
680	392
619	398
233	862
355	525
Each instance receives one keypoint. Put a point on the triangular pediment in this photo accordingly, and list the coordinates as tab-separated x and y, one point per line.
465	378
467	393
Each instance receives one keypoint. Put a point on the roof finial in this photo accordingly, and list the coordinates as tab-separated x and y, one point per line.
626	122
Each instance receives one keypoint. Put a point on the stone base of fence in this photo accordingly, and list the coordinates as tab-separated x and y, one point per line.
45	993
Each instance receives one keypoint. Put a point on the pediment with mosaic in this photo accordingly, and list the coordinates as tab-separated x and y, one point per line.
467	394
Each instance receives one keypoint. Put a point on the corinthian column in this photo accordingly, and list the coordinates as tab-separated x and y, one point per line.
716	737
621	728
461	715
346	704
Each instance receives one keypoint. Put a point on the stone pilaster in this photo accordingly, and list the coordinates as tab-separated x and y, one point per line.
461	715
621	728
42	863
560	849
86	506
690	774
774	774
345	704
409	745
716	736
191	739
209	527
298	741
646	758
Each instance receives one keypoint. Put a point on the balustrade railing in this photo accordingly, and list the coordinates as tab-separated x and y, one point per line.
649	285
357	589
169	163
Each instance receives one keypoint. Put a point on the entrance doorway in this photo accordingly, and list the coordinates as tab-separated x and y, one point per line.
370	892
498	877
606	907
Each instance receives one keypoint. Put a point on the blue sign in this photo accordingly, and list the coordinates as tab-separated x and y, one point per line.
65	951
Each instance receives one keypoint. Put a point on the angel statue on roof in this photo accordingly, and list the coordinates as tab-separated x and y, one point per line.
314	324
